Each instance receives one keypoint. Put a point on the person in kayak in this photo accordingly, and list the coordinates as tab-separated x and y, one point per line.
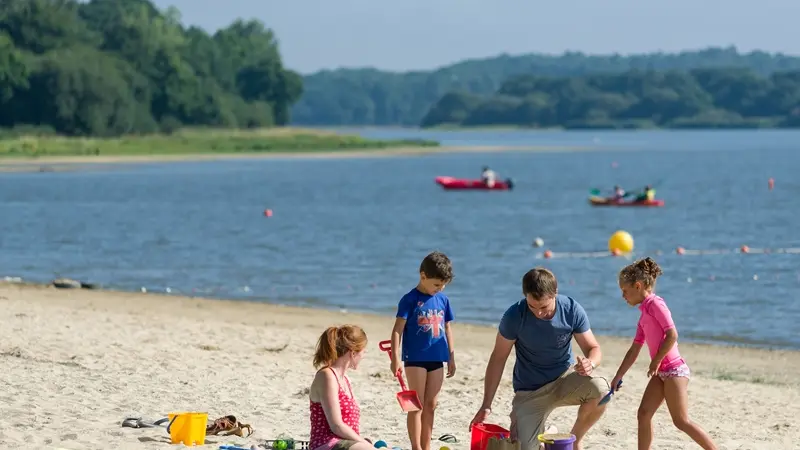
488	176
619	194
647	195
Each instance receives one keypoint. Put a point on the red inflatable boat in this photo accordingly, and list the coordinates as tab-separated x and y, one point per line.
462	183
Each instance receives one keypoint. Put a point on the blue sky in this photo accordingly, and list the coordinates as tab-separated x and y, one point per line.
424	34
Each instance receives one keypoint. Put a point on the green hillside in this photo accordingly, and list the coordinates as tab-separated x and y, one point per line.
372	97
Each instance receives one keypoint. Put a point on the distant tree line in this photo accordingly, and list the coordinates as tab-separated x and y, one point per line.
372	97
700	98
111	67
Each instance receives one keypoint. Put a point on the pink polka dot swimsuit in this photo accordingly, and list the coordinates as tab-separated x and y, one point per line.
321	433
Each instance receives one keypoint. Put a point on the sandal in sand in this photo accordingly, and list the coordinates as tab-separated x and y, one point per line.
227	426
138	422
449	438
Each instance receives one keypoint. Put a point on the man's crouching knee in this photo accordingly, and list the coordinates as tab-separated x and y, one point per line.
596	388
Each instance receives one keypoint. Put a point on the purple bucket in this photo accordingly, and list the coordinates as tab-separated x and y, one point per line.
557	441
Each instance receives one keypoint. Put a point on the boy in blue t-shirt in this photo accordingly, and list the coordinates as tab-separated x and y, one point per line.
423	326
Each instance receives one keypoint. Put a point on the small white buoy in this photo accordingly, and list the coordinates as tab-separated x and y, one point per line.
538	242
755	277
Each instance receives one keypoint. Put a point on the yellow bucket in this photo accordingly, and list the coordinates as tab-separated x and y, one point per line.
188	428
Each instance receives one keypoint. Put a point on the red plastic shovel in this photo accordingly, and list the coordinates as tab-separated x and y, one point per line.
409	400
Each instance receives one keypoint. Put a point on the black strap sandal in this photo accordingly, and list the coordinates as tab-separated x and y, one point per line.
449	438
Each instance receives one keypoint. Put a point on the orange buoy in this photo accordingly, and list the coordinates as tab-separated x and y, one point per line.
745	249
267	213
771	183
680	250
548	254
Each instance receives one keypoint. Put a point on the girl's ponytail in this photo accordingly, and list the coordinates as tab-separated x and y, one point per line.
338	341
326	348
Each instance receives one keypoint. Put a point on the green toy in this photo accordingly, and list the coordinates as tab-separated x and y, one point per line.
285	444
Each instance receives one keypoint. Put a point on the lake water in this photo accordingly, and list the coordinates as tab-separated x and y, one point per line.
350	233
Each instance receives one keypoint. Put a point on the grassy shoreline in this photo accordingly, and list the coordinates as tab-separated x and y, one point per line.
73	163
199	142
45	153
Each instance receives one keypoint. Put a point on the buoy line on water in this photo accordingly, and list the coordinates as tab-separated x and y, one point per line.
549	254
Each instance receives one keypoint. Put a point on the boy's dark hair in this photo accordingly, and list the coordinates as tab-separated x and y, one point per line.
540	283
437	265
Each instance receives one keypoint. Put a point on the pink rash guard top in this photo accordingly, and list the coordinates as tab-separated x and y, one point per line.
651	329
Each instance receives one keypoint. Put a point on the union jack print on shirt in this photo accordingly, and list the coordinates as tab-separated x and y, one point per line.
431	321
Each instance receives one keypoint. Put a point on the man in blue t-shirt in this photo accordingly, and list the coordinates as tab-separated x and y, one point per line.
540	328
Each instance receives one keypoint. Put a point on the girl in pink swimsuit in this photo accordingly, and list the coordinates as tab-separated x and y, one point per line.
334	411
656	328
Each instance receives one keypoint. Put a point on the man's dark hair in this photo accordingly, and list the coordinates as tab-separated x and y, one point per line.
540	283
437	265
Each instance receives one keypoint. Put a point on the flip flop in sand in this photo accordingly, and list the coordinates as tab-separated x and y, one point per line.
227	426
449	438
138	422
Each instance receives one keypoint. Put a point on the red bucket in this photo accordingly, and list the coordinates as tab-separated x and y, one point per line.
481	432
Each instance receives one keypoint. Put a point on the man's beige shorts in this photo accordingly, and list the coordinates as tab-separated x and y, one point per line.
530	409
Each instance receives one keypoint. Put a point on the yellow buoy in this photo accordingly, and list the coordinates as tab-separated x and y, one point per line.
621	242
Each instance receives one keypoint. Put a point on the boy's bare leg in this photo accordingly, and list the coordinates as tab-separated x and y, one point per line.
433	385
417	378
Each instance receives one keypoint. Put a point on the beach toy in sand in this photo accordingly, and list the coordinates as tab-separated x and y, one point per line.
557	441
379	444
285	444
607	397
620	242
188	428
409	400
482	432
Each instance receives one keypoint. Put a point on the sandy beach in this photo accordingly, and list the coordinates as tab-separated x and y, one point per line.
74	363
70	163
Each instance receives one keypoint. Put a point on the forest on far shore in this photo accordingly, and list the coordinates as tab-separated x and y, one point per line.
110	67
380	98
700	98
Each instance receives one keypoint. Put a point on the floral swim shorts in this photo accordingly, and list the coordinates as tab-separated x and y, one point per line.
675	372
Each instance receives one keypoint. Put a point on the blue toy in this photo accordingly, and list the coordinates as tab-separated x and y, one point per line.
605	399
